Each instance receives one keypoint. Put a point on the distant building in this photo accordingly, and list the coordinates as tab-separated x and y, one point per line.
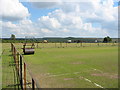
69	41
96	41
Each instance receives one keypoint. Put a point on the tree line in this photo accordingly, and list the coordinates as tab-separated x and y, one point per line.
13	39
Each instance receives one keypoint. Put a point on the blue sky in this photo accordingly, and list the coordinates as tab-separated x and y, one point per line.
89	19
38	12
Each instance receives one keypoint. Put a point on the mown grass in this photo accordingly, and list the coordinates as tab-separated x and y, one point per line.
66	66
8	68
98	64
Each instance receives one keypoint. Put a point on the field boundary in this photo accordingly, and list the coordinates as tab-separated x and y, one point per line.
67	45
21	70
19	63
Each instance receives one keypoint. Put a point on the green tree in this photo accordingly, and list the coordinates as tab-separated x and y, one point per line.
12	37
107	39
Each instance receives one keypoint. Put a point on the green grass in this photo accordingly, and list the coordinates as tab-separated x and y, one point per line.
56	67
67	67
8	69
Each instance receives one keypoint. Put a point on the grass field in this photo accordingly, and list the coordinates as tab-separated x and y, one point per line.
71	67
90	66
8	68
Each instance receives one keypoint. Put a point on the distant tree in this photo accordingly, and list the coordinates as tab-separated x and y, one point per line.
12	37
107	39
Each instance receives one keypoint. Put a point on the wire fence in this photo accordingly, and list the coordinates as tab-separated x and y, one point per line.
21	71
21	66
67	45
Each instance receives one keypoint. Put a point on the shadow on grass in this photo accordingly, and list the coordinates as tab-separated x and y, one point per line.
10	55
27	54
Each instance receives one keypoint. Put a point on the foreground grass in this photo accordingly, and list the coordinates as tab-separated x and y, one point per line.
69	67
8	69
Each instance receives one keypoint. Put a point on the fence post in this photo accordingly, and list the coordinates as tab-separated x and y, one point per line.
24	76
15	57
37	45
113	44
33	84
98	44
81	44
60	44
21	82
18	60
18	63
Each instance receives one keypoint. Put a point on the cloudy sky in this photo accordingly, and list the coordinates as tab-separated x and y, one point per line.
56	18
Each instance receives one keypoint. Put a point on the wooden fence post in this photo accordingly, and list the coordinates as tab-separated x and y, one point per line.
37	45
113	44
60	44
15	58
98	44
21	81
18	60
81	44
33	84
18	63
24	76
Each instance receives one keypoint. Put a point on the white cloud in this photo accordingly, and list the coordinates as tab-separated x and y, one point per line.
79	17
46	31
12	10
21	29
65	30
52	22
71	19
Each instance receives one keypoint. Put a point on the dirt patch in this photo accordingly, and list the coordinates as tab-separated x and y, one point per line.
68	78
112	76
99	74
80	77
115	76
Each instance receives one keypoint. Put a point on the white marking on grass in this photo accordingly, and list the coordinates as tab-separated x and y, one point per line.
80	76
98	85
87	80
93	83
